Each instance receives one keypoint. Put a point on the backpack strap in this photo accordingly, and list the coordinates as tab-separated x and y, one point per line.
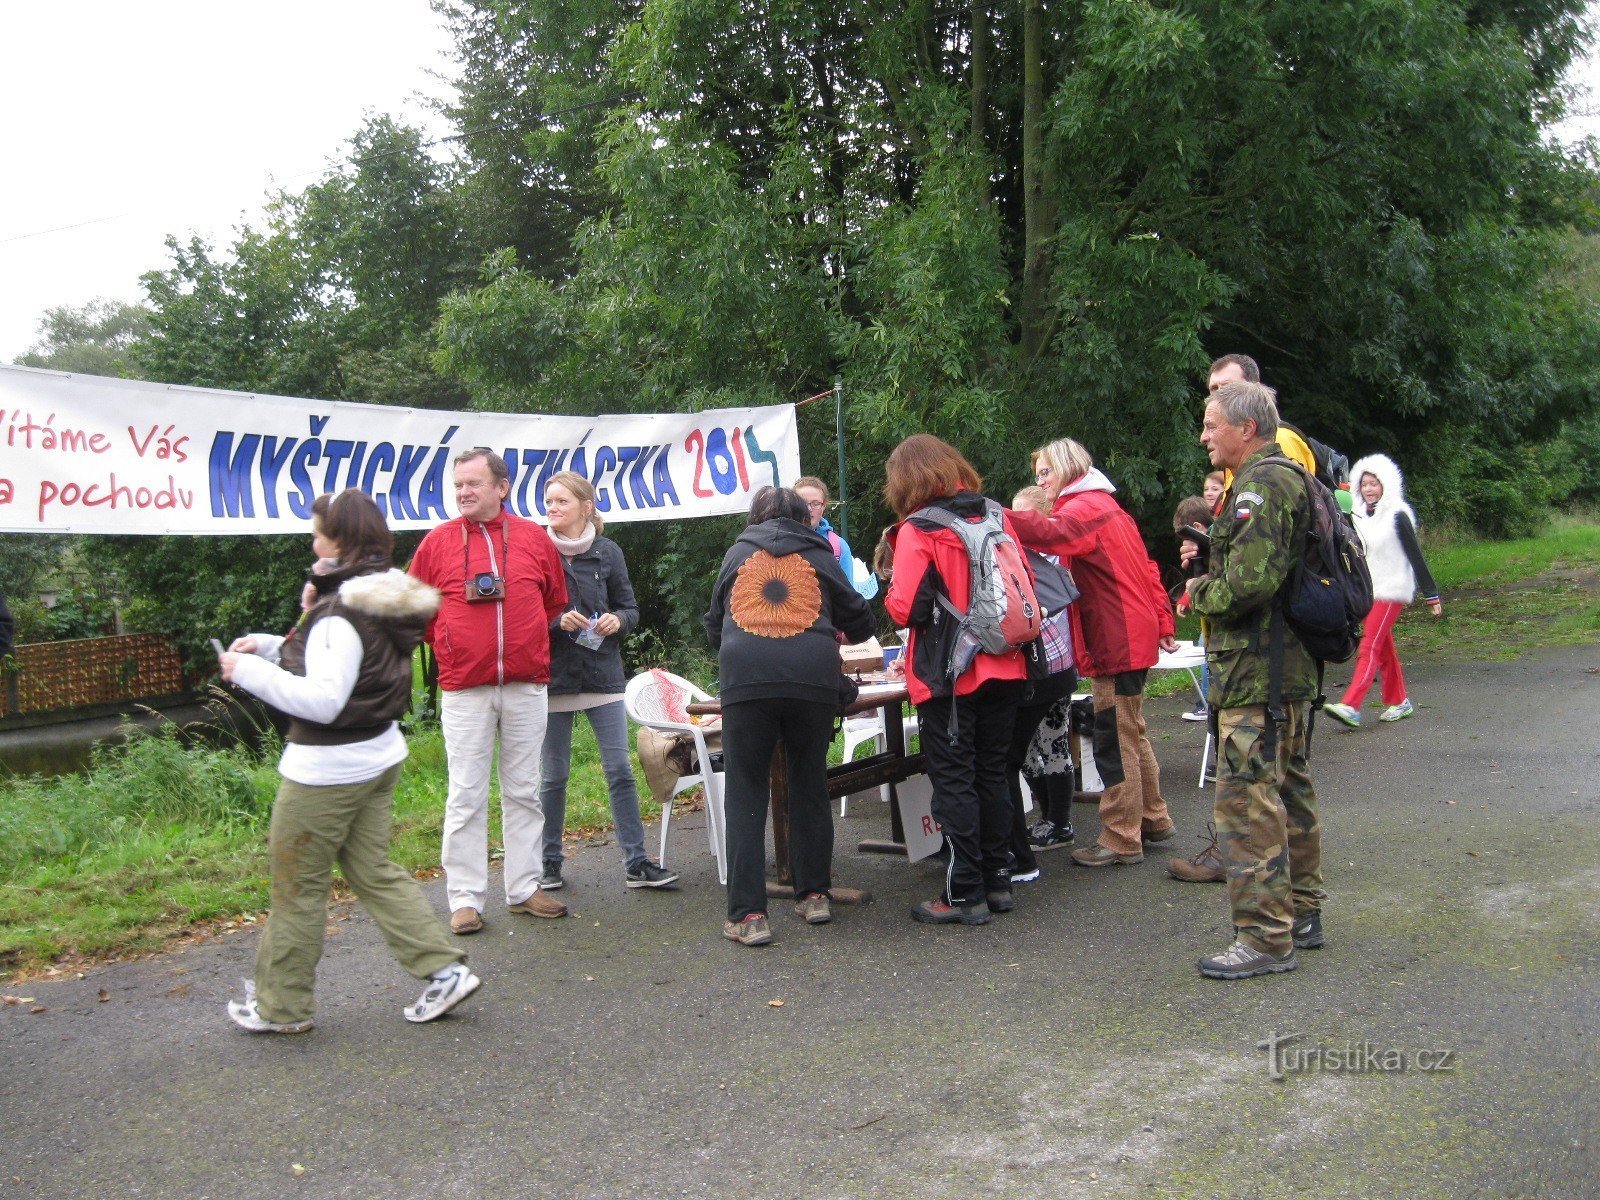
1276	716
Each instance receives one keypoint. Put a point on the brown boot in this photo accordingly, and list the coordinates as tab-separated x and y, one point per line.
1205	867
464	921
540	905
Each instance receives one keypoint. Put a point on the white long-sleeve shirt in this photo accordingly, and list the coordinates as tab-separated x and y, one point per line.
333	664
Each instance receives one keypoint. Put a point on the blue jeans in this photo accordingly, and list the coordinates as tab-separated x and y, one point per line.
610	725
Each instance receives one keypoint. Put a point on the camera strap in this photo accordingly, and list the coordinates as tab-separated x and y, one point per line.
494	568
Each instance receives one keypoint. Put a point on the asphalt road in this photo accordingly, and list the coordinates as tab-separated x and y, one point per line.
1067	1049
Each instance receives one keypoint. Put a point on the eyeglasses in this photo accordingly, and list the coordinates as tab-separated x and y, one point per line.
1042	473
816	505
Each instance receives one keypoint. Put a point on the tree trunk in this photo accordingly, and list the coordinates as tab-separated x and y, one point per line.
1038	191
980	87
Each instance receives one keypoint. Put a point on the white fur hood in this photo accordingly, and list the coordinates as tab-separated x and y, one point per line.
1394	490
390	595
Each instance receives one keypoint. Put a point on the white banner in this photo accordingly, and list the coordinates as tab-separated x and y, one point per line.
85	454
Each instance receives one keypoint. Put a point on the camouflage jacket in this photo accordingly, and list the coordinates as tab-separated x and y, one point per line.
1252	544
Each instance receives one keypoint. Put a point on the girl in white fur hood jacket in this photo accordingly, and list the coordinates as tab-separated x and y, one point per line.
1388	530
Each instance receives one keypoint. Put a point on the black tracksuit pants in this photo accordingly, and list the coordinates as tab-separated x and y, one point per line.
751	731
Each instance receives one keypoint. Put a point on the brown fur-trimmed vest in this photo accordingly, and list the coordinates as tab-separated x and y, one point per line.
389	611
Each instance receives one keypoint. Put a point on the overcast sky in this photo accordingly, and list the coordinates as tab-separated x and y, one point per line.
126	122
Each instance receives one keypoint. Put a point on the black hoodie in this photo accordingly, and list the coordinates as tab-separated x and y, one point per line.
778	604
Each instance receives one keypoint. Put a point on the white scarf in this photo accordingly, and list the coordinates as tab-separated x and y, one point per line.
572	547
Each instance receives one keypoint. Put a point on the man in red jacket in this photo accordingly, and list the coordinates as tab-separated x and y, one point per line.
502	586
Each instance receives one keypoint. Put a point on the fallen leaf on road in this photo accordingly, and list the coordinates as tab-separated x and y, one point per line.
297	1170
38	1008
16	999
181	989
774	1003
1474	854
869	1121
104	995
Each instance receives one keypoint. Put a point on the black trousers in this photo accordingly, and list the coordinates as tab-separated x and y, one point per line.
968	772
1029	716
750	732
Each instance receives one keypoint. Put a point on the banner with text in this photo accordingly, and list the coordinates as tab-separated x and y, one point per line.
83	454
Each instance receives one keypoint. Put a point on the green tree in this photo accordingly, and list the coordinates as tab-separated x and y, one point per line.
90	339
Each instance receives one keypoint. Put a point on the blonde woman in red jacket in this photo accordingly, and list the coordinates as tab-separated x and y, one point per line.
967	754
1119	622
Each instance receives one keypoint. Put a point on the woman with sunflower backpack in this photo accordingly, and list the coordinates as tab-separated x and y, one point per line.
779	605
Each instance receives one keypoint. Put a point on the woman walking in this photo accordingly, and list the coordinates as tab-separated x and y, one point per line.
777	610
1388	530
343	677
586	676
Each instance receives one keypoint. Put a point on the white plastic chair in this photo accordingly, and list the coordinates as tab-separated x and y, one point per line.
868	727
646	704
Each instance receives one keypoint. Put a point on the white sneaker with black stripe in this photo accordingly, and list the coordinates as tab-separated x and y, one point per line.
446	989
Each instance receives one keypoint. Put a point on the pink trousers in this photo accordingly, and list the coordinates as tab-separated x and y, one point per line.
1377	655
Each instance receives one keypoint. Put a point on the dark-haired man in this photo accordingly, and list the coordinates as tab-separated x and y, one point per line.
501	584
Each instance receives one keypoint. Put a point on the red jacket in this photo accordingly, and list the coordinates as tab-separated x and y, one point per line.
500	641
1123	612
923	559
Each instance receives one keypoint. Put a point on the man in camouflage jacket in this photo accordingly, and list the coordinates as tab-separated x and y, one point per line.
1266	807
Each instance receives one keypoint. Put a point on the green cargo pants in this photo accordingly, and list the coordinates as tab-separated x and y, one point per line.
1266	814
312	828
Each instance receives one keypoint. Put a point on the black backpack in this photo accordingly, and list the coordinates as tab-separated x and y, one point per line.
1333	467
1329	590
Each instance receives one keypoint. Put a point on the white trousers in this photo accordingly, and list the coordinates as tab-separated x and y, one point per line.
470	719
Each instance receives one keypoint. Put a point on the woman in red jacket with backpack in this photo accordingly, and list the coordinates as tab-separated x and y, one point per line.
1119	622
966	723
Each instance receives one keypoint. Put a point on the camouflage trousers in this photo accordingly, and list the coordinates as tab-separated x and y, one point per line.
1266	814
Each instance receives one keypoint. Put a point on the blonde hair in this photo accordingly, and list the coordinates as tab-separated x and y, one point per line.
1035	495
1068	460
583	492
811	481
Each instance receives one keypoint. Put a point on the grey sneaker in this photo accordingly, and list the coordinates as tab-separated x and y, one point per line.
1308	931
246	1014
814	908
648	875
1240	961
446	989
752	931
1397	712
551	879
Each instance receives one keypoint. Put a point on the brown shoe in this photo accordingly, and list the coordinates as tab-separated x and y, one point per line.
752	931
540	905
1098	856
464	921
1154	837
1205	867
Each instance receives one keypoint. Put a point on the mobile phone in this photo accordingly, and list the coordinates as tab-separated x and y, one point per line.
218	646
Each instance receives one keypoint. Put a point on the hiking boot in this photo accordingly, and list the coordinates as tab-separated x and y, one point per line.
446	989
1047	835
1240	961
540	905
1098	856
1025	876
1308	930
1205	867
464	921
246	1014
551	880
1198	713
938	912
814	908
1001	900
1154	837
1344	714
649	874
752	931
1397	712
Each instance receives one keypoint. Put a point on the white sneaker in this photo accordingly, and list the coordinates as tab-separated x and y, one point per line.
246	1014
1197	713
446	989
1344	714
1397	712
1025	876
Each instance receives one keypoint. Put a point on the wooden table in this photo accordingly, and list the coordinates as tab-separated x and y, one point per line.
891	767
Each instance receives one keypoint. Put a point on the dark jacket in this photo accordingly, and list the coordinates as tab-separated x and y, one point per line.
1252	552
389	611
778	606
597	582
